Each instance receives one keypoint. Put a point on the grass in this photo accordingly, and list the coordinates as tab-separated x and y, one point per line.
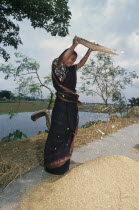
90	123
21	107
101	108
36	106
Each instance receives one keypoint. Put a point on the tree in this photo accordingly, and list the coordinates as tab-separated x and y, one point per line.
25	74
102	78
5	93
134	101
120	102
52	15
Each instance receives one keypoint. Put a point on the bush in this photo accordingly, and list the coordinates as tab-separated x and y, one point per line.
90	123
16	135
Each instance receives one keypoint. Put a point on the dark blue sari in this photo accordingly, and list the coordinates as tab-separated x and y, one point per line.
64	123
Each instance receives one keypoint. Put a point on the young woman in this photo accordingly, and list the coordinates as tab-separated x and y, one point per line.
64	121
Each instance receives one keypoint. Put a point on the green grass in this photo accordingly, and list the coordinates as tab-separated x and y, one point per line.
90	123
100	108
22	107
36	106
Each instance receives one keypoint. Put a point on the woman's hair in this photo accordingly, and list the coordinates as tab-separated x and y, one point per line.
74	52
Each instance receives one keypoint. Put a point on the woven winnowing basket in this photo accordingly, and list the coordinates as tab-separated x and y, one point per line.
96	47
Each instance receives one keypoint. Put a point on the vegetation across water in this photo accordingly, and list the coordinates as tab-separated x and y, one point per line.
8	107
5	108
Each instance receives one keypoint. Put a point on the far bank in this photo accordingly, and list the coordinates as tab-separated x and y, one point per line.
9	107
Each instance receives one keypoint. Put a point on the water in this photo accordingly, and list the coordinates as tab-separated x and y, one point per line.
23	122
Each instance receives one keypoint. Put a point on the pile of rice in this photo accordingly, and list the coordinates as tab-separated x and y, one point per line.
109	183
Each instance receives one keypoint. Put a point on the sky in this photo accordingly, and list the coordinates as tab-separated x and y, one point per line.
111	23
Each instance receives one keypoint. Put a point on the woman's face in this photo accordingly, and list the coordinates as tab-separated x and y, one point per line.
71	60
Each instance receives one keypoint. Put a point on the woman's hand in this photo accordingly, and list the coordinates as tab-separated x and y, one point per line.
75	40
90	50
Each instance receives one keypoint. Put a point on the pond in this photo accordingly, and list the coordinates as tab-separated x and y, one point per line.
23	122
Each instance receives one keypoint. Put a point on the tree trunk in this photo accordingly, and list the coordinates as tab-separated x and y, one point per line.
106	102
42	113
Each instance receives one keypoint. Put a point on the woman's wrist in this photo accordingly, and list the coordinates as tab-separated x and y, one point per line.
89	50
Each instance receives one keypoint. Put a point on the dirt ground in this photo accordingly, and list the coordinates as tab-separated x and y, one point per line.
19	157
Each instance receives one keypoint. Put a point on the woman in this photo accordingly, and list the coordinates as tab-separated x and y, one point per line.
64	122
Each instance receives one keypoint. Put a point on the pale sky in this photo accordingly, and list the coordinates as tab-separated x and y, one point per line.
111	23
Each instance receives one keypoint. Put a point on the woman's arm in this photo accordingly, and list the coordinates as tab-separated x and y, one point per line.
84	59
69	52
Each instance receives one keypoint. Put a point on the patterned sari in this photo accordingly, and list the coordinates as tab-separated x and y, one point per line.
64	123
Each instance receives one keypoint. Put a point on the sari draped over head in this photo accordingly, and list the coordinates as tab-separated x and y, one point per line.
64	122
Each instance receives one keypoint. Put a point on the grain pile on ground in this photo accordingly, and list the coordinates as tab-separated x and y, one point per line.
107	183
19	157
134	111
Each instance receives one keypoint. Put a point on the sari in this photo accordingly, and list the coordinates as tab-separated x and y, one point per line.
64	123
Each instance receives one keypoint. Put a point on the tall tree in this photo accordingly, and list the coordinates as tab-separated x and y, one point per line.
102	78
5	93
134	101
52	15
25	74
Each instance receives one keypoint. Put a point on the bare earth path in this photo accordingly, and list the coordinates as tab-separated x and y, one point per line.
124	142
